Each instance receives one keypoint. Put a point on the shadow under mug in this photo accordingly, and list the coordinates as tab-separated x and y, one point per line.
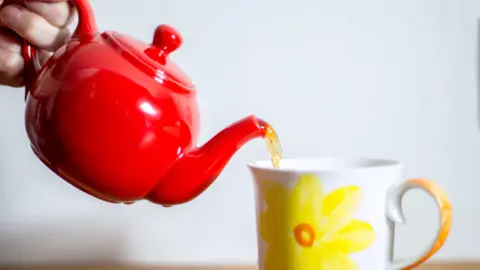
332	214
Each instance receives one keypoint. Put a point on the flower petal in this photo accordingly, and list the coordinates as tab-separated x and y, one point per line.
272	221
306	200
338	208
274	193
272	261
307	189
283	256
356	236
308	259
265	228
336	260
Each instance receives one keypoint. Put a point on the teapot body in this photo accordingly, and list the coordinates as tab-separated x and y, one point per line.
116	118
103	124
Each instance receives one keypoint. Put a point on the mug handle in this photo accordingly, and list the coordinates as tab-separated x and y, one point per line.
396	215
86	25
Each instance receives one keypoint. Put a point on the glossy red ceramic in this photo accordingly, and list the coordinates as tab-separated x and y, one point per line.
117	119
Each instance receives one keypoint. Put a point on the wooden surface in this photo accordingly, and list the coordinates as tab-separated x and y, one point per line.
436	266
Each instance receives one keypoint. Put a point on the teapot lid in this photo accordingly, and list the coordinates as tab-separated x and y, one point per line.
153	58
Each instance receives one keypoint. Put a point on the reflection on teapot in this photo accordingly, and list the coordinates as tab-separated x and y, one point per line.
117	119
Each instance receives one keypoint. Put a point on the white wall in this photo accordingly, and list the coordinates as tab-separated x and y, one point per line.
394	79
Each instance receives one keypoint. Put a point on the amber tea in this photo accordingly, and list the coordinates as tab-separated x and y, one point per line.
273	146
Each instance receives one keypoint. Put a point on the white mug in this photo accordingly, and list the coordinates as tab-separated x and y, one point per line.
336	214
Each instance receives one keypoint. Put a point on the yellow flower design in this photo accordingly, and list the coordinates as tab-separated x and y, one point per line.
306	230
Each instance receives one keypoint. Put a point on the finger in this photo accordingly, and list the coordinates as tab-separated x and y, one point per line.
33	27
11	67
9	41
11	61
58	13
15	82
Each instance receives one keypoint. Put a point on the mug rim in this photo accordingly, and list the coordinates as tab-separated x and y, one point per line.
308	164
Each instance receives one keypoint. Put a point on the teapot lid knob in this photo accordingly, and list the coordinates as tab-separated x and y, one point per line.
167	39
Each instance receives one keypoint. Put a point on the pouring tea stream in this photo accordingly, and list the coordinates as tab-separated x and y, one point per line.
117	119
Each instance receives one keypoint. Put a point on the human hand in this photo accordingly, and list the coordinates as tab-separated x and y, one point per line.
44	23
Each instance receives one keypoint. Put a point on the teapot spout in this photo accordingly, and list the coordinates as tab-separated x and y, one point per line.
197	168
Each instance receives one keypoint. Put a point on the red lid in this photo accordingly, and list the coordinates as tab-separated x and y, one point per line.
155	56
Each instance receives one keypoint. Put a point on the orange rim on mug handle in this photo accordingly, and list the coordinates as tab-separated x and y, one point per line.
395	214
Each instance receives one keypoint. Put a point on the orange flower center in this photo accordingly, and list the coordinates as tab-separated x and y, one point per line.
304	234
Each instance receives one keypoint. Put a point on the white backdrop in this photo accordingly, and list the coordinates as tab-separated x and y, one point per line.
394	79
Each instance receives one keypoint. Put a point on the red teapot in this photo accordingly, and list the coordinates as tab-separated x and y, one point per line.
117	119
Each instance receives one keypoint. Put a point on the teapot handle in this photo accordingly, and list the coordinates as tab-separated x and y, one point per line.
86	26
